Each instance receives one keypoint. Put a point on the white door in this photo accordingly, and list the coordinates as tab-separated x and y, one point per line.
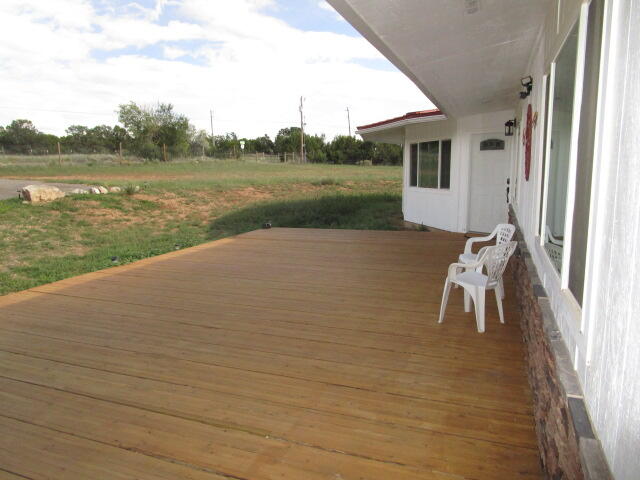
488	182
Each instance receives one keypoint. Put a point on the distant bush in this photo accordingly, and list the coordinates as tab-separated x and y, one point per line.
326	181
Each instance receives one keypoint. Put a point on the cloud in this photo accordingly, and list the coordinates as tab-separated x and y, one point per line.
323	5
252	67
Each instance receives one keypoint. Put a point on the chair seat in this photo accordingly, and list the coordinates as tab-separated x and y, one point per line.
468	258
472	279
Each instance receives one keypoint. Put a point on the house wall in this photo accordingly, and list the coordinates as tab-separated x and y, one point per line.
602	336
447	209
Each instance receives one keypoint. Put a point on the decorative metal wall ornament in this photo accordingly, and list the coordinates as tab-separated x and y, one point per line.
527	134
492	144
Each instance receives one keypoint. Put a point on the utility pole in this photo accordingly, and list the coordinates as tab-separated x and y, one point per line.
302	157
211	116
349	120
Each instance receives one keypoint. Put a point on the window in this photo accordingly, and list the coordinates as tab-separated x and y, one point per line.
586	145
560	149
547	90
430	164
413	168
565	163
445	164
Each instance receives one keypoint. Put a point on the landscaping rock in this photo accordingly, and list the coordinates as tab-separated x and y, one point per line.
94	190
79	191
41	193
115	189
103	189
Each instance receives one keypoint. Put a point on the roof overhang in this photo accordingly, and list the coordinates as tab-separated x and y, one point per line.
392	130
467	56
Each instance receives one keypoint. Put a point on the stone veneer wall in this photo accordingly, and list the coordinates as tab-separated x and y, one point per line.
568	447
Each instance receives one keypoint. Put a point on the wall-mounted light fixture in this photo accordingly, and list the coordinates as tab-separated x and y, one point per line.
527	84
509	128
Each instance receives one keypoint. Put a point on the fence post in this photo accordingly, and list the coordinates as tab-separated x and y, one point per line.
59	155
120	152
164	152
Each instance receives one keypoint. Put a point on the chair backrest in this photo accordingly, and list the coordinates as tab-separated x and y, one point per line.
504	233
495	259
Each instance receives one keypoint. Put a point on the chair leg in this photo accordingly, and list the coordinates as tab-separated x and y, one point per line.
455	285
445	299
467	301
499	302
478	301
501	286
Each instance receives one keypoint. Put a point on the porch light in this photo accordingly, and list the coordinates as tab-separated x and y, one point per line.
509	128
527	84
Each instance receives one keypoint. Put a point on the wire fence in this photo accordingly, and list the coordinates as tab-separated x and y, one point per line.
45	158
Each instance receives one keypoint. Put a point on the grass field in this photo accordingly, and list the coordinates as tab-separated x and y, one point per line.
180	205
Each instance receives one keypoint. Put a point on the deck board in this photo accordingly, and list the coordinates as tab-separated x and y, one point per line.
283	353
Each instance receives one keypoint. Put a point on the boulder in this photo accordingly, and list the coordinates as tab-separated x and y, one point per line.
79	191
115	189
94	190
103	189
41	193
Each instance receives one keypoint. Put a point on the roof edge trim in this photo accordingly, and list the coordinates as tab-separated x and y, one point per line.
408	119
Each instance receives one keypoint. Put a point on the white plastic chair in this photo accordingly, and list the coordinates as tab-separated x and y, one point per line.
503	233
550	238
494	260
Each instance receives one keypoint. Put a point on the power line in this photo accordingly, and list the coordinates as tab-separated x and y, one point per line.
302	159
283	123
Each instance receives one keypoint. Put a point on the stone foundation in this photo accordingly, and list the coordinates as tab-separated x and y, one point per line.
568	447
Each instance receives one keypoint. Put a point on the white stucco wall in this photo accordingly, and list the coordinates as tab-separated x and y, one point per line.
603	336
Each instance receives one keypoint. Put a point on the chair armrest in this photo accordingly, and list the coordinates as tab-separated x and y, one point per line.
468	248
453	268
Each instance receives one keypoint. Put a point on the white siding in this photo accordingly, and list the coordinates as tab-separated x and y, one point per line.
447	209
611	378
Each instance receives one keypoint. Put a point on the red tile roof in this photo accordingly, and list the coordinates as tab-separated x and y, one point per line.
408	116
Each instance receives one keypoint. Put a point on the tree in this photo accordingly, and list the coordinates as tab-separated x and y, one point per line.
226	144
288	141
347	150
263	144
387	154
199	141
151	128
20	136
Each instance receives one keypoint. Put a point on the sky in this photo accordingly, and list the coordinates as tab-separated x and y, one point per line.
72	62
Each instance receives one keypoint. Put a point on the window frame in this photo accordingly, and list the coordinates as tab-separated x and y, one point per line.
416	145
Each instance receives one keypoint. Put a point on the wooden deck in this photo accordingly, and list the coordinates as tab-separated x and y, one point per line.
279	354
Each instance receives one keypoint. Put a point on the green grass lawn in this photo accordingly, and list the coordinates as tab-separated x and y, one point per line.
180	205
